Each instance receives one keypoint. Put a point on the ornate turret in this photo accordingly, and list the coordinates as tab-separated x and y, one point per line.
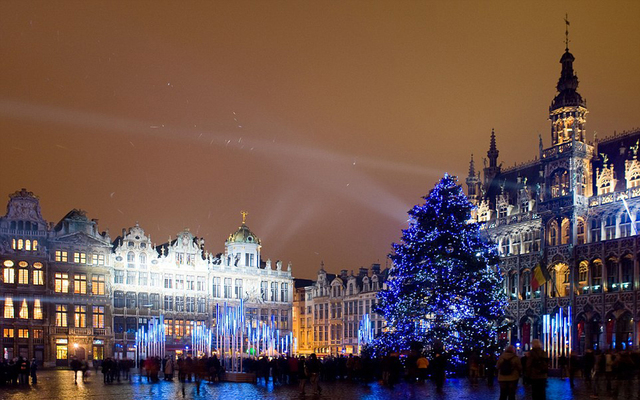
472	182
568	109
493	169
243	246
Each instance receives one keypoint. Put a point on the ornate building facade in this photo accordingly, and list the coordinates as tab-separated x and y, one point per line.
335	313
573	211
69	290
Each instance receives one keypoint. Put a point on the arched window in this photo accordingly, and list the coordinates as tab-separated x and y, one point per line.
526	285
634	179
583	277
513	286
131	259
536	240
515	244
504	247
596	230
27	245
612	275
627	272
610	227
560	183
566	231
596	275
580	229
553	233
625	225
527	242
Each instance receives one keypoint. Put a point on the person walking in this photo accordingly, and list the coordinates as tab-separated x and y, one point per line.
314	373
509	370
422	363
33	370
537	368
438	370
75	367
303	374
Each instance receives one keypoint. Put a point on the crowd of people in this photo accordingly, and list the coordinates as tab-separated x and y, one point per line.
17	371
609	371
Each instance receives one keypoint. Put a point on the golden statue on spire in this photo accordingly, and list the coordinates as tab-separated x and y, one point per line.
244	216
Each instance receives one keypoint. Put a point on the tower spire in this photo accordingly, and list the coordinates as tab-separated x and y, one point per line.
568	109
493	150
472	181
566	32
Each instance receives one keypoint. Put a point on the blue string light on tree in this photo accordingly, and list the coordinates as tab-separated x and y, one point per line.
444	289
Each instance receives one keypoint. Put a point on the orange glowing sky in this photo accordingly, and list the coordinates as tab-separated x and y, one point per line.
326	120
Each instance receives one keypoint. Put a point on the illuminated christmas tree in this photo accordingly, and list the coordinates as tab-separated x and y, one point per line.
444	290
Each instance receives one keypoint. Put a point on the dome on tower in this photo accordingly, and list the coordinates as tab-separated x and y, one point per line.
243	235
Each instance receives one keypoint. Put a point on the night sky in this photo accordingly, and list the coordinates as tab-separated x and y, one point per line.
325	120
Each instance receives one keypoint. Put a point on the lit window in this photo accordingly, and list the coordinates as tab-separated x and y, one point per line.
9	272
20	244
35	245
80	284
23	276
80	258
61	315
23	333
61	256
24	310
7	333
97	284
38	334
98	317
61	282
37	308
38	274
27	245
13	244
80	316
8	307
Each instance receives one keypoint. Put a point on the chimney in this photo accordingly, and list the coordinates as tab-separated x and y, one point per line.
375	268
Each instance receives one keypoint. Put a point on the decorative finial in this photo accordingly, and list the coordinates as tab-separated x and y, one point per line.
244	216
566	32
634	149
605	159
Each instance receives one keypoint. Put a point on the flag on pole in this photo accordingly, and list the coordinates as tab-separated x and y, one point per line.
540	276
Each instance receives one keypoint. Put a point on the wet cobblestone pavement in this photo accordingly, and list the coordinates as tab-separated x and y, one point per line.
58	384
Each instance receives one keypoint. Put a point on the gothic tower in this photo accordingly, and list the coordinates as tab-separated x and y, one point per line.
493	169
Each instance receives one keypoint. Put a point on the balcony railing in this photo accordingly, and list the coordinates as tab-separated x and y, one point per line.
58	330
